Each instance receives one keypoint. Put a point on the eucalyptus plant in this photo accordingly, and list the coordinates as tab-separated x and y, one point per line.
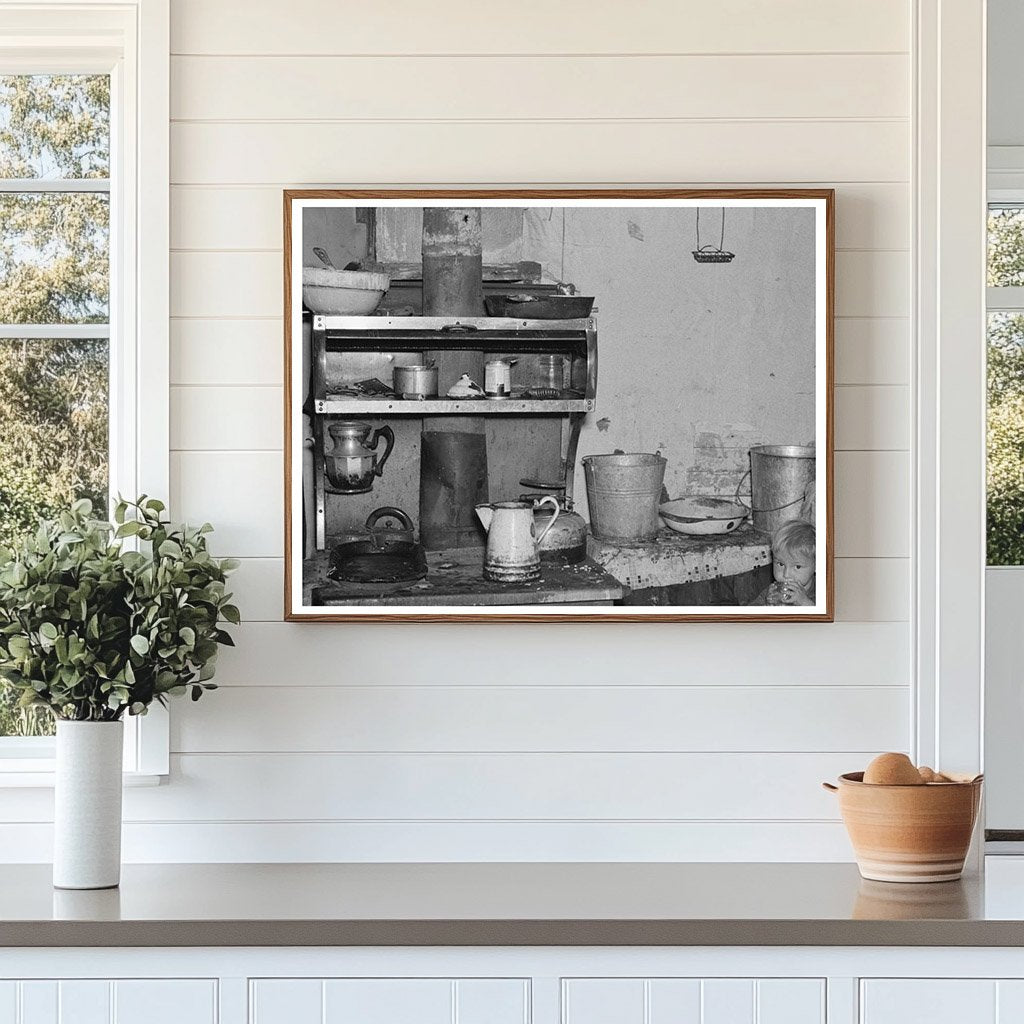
92	628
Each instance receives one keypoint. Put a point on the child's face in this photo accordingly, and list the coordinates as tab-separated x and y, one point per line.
791	567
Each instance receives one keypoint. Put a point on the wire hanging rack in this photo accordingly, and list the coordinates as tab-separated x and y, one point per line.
709	253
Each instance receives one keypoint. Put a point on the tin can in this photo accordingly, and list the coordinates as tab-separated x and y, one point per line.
498	378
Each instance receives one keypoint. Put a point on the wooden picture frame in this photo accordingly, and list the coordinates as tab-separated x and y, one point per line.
673	302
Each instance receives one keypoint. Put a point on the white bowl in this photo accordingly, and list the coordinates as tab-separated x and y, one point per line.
342	292
702	517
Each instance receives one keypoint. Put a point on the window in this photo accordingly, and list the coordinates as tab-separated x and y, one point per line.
54	309
1005	479
84	125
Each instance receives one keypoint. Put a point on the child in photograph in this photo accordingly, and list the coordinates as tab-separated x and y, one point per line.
792	566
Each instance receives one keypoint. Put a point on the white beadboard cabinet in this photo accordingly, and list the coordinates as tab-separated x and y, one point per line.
389	1001
104	1001
513	985
942	1001
693	1001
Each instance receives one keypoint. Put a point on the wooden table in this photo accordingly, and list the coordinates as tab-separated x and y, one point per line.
676	569
455	577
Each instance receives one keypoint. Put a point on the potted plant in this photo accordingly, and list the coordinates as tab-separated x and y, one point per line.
93	629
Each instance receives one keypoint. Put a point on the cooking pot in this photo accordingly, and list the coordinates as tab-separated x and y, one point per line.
417	382
566	539
383	555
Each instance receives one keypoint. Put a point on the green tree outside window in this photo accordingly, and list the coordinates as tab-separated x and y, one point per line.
54	270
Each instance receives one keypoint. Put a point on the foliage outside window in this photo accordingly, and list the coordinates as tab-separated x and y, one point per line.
54	309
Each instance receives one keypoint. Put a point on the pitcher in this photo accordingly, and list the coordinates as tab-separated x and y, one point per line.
352	463
513	554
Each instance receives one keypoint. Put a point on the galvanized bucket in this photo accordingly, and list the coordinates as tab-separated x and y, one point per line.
780	475
623	492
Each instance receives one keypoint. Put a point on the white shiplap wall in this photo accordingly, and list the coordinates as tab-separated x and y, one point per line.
661	741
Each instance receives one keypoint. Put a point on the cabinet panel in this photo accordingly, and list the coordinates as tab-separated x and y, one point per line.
1009	1002
693	1001
38	1002
84	1002
928	1001
165	1002
492	1001
603	1001
389	1001
790	1001
727	1001
674	1000
281	1001
8	1002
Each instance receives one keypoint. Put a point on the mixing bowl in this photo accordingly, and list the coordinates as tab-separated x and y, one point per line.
331	292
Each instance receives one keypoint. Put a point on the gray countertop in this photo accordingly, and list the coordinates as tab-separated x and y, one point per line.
477	904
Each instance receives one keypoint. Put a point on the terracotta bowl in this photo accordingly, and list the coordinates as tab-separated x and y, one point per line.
909	833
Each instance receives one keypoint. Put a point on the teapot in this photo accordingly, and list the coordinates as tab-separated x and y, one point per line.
352	463
513	547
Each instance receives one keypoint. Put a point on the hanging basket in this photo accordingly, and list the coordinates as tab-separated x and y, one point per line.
709	254
712	253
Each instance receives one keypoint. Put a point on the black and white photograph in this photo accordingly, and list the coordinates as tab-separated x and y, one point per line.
555	404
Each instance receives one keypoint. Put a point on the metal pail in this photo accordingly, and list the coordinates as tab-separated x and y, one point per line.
623	492
779	479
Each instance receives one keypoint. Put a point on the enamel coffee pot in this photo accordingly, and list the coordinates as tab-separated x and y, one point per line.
513	547
352	463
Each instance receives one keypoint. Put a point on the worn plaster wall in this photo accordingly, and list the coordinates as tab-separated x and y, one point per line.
692	355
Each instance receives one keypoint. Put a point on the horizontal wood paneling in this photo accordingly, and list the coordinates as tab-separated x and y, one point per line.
576	26
242	493
258	585
573	152
238	284
211	418
492	719
413	94
870	418
872	350
461	787
873	283
872	589
872	502
161	842
283	654
867	589
868	216
231	284
227	352
235	418
539	88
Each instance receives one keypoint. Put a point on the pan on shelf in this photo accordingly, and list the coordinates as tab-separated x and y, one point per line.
700	516
382	555
540	307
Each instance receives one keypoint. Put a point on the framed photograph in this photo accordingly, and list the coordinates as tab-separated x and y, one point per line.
558	405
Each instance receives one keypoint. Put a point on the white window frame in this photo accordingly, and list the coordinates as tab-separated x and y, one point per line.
949	443
130	41
1003	720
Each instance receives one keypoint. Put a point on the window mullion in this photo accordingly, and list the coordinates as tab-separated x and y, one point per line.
63	332
54	185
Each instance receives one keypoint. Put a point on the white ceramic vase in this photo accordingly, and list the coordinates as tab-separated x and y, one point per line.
87	805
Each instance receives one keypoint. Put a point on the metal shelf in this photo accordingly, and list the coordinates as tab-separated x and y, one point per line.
450	406
449	324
